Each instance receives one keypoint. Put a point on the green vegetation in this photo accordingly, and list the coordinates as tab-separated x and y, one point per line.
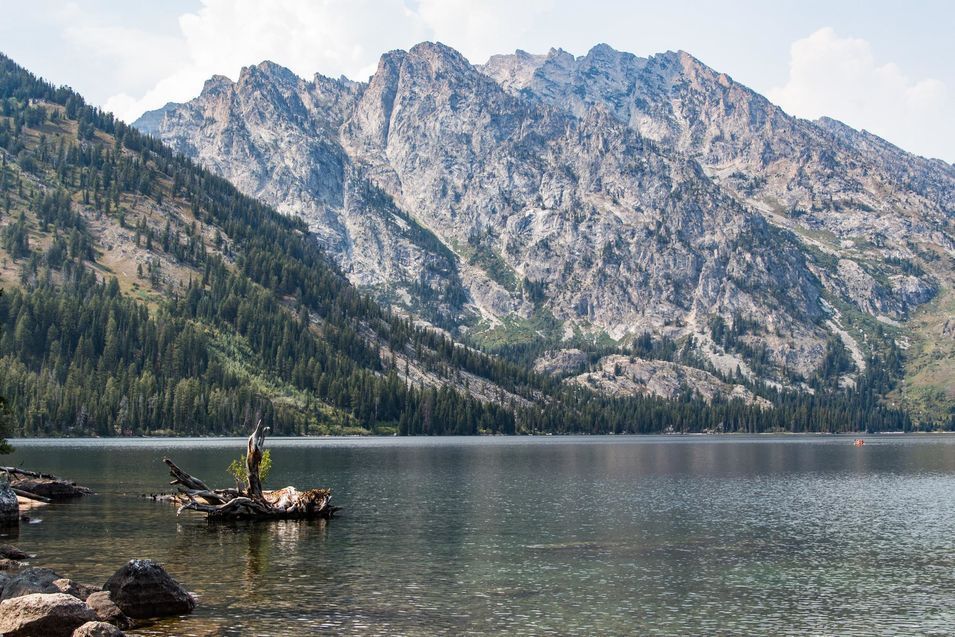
83	355
4	427
239	470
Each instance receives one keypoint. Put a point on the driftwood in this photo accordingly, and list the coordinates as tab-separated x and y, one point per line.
253	502
42	487
31	496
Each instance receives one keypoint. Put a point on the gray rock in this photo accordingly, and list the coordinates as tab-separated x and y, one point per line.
102	604
628	376
43	615
13	553
32	580
9	565
9	505
98	629
76	589
143	589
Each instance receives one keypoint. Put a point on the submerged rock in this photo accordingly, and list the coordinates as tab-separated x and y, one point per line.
9	565
143	589
98	629
43	614
13	553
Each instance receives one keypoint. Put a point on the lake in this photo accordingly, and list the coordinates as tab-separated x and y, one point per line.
772	535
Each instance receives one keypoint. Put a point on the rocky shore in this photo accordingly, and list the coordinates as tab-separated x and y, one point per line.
38	602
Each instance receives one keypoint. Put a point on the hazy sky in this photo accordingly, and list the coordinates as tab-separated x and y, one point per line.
879	65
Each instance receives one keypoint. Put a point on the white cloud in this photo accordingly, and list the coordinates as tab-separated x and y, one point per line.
131	52
840	77
482	28
329	36
332	37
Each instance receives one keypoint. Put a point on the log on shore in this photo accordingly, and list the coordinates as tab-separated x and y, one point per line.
43	486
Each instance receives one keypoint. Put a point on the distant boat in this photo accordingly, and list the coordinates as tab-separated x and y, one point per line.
859	442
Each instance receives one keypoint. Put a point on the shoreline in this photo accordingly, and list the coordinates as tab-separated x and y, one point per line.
381	437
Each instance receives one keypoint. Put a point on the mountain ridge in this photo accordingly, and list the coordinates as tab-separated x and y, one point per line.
485	168
145	295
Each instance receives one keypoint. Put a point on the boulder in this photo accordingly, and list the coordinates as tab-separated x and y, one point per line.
97	629
106	611
143	589
44	580
9	505
13	553
9	565
81	591
43	615
31	580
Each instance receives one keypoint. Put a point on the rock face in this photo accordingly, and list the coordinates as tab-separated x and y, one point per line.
142	589
840	178
43	615
9	505
275	136
816	176
627	375
561	362
613	194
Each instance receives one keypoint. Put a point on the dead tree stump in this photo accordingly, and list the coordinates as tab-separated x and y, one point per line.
254	502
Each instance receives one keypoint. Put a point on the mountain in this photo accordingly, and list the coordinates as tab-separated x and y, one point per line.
875	222
549	202
145	295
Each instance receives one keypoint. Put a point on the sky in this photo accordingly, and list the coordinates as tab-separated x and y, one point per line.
883	66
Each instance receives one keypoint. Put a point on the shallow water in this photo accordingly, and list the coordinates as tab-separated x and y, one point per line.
557	535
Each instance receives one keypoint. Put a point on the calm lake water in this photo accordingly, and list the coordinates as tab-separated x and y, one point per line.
534	536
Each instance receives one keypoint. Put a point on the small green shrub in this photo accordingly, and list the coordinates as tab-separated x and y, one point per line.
238	469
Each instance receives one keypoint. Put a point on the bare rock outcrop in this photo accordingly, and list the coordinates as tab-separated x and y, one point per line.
628	375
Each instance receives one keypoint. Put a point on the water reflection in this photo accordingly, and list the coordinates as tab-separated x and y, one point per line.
643	536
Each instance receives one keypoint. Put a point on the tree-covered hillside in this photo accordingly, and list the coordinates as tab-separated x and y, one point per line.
145	295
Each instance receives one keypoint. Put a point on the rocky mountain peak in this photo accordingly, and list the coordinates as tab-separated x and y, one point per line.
442	60
216	84
606	194
270	70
